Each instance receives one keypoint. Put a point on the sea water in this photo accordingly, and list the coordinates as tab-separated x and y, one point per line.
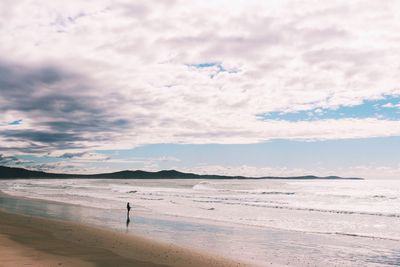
334	213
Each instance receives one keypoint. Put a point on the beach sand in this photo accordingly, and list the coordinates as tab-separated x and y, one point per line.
32	241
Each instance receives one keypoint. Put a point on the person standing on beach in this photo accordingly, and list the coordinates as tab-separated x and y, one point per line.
128	207
128	220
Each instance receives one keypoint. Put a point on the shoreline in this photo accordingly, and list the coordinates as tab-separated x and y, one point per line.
47	242
214	221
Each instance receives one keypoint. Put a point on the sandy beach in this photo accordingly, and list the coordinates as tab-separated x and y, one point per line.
32	241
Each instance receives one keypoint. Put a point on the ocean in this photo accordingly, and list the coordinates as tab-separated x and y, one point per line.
340	214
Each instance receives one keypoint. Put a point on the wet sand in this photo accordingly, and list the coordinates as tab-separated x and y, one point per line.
32	241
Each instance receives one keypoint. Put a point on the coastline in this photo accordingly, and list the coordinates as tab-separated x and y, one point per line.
47	242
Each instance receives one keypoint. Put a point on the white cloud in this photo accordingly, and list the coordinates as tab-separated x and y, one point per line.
122	69
391	105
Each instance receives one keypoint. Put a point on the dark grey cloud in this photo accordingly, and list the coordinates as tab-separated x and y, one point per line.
58	102
41	136
72	155
42	88
29	148
27	77
95	124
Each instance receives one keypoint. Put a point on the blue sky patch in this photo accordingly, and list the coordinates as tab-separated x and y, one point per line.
206	65
217	66
331	154
387	108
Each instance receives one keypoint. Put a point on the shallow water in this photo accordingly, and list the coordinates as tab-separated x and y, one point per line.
351	207
262	244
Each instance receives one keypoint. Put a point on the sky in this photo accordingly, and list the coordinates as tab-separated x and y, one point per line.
233	87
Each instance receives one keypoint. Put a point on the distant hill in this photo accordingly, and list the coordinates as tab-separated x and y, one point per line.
20	173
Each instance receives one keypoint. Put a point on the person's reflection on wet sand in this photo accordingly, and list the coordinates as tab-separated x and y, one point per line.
128	220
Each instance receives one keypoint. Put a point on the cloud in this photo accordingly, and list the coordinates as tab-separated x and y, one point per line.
84	156
64	167
71	155
5	160
115	74
166	159
391	105
12	161
13	123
